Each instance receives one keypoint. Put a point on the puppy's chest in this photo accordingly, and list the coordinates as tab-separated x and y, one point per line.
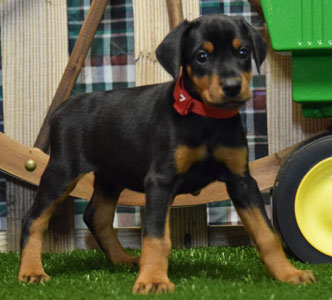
210	159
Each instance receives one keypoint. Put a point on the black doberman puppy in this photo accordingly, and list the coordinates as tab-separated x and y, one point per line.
163	140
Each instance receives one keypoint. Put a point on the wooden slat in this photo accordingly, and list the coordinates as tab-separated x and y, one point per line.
189	227
151	26
34	50
286	124
175	12
3	241
13	156
34	53
258	7
73	67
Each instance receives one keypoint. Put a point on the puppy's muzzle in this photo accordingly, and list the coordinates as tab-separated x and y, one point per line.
231	87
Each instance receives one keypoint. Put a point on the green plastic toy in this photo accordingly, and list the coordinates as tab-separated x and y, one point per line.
304	27
301	198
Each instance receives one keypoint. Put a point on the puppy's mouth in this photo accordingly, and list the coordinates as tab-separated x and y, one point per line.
222	101
215	92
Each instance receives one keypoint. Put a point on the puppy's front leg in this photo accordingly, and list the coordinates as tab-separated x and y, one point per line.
249	204
157	245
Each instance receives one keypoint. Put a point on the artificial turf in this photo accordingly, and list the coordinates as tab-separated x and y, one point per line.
204	273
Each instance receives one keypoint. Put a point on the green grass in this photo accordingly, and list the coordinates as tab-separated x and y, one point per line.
206	273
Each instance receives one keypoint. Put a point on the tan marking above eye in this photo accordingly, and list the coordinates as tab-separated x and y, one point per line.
186	156
236	43
208	46
235	159
189	71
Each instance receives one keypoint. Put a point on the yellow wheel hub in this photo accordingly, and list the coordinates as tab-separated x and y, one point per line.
313	206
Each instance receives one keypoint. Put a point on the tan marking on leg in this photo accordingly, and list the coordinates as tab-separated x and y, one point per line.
189	71
235	159
236	43
270	250
153	276
208	46
31	267
186	156
106	234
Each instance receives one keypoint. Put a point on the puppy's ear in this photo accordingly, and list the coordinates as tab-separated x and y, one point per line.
169	51
257	42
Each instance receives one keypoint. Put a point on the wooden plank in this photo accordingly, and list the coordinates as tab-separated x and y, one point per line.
175	12
13	156
257	5
3	241
189	227
34	50
151	26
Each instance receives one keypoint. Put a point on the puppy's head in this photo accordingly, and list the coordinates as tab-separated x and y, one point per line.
215	55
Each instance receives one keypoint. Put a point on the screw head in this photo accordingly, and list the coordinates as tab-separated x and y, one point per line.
30	165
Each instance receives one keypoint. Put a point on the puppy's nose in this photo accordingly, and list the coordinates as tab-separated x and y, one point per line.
231	86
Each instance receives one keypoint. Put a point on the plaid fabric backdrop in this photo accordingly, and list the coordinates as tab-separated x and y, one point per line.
110	61
111	64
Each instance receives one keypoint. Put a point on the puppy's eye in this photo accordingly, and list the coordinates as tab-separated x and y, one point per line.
202	57
244	52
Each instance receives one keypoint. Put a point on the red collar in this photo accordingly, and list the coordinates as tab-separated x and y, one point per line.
184	104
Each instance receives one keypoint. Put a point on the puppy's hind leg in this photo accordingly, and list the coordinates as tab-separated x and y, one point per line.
56	184
99	217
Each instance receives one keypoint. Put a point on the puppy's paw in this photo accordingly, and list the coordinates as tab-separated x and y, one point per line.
33	277
145	287
299	277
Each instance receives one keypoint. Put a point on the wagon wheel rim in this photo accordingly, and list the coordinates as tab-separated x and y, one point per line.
313	206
